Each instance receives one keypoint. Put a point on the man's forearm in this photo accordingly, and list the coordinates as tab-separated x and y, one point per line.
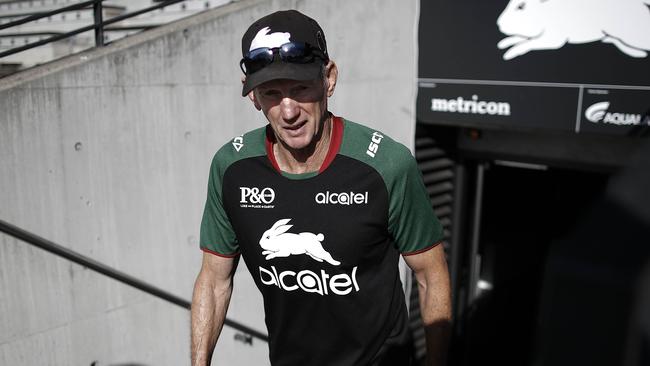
432	276
209	307
435	308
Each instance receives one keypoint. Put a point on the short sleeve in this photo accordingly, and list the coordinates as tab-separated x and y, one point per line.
412	222
217	235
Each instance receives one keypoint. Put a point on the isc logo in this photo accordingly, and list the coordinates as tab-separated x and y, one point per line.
256	195
374	144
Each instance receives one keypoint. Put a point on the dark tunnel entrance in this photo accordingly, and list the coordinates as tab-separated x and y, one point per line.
525	208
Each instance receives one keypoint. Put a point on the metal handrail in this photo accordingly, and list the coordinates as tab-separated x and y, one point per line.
46	14
98	24
108	271
27	34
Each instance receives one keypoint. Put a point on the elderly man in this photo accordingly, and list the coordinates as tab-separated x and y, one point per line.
320	208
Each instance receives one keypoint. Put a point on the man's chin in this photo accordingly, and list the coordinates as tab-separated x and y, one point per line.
296	144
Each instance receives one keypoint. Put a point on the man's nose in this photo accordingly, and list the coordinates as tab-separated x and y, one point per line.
289	108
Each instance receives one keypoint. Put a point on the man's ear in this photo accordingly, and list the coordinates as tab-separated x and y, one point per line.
332	74
251	95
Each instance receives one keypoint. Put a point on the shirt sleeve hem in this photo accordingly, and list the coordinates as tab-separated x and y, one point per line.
233	255
406	254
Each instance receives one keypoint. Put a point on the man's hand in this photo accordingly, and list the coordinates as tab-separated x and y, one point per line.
212	291
432	276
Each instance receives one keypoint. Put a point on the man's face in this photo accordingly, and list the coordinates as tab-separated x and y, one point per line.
294	109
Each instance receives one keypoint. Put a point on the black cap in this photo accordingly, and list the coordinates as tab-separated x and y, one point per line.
276	29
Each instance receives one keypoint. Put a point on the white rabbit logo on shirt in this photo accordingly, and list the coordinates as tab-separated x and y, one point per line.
532	25
277	242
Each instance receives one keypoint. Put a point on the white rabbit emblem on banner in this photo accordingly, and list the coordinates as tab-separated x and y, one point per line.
550	24
277	242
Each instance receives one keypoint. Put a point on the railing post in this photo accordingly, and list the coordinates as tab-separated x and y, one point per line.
99	19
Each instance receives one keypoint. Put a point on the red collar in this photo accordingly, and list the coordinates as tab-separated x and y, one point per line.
332	150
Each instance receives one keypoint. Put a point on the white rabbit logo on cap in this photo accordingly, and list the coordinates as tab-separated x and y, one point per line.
276	242
550	24
272	40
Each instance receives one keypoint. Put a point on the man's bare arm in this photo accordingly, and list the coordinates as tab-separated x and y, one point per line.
432	276
212	291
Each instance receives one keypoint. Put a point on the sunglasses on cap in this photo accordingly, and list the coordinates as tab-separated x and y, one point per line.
292	52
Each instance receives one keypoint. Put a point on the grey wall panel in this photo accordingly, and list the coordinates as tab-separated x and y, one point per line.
107	152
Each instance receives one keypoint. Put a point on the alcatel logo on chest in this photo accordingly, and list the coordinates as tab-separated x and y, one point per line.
341	198
277	242
254	197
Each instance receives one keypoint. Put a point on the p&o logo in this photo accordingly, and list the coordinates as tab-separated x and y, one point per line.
256	198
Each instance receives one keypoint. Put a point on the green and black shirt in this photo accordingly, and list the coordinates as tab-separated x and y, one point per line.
323	248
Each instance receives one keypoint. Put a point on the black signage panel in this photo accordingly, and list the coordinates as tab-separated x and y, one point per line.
497	105
618	112
548	51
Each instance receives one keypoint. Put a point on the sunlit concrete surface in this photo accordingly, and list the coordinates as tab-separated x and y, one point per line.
107	152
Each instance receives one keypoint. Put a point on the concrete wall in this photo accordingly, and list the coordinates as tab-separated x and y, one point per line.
107	152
